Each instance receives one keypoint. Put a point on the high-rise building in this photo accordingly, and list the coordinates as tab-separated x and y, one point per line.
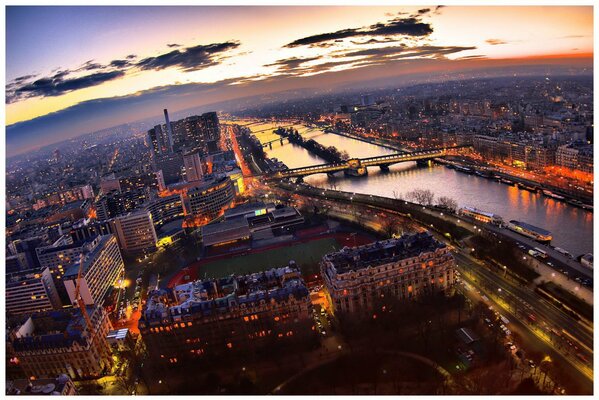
102	267
115	203
171	166
169	131
355	278
31	291
136	232
60	342
165	209
197	133
62	255
193	167
158	141
211	198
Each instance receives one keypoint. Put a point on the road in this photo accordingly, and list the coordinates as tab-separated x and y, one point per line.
514	298
520	301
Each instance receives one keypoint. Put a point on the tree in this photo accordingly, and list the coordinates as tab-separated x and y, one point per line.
421	196
448	203
125	383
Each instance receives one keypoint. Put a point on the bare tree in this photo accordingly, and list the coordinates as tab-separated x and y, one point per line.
421	196
448	203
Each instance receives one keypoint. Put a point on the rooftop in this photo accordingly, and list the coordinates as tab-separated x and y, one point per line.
206	297
38	387
383	252
90	255
52	329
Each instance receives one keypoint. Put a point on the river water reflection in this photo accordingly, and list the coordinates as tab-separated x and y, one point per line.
572	227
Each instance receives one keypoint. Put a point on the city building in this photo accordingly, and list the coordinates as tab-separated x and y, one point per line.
86	229
197	133
193	167
115	203
404	268
220	316
165	209
31	291
72	211
211	198
52	343
249	223
59	386
142	181
171	165
575	156
135	232
102	268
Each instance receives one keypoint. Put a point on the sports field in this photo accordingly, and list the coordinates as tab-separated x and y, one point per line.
306	255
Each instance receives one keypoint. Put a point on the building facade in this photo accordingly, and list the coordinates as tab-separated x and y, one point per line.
31	291
102	267
211	198
135	232
219	317
404	268
60	342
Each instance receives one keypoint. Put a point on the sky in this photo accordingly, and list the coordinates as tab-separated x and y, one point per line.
73	70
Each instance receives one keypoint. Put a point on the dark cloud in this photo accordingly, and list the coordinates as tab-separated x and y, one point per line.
375	41
189	58
472	57
89	65
495	42
423	11
291	64
63	81
411	26
23	78
438	9
173	45
120	63
56	85
403	51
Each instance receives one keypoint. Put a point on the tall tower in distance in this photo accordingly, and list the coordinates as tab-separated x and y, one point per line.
169	131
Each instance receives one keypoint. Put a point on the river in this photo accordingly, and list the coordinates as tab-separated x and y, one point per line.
572	227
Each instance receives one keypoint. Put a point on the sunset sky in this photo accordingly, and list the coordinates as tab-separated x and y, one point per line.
72	70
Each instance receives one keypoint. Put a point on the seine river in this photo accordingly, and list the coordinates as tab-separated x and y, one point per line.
572	227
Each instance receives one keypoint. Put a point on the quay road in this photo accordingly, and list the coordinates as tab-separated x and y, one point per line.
521	301
560	262
549	318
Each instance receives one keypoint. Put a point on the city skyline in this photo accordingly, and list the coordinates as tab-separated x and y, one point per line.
306	201
58	88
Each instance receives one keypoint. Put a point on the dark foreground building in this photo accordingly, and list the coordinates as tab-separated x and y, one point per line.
223	316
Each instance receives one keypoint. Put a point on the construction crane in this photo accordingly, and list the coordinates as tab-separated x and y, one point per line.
79	300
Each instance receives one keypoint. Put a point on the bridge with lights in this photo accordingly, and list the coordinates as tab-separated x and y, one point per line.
359	166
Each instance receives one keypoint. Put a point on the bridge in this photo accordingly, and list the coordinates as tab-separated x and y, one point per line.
358	166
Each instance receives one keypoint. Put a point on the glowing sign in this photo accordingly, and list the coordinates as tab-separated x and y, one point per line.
260	212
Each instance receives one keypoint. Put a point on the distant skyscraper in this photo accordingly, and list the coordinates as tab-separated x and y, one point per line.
193	167
169	131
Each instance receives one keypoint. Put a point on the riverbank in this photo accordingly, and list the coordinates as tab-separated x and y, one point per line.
584	202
